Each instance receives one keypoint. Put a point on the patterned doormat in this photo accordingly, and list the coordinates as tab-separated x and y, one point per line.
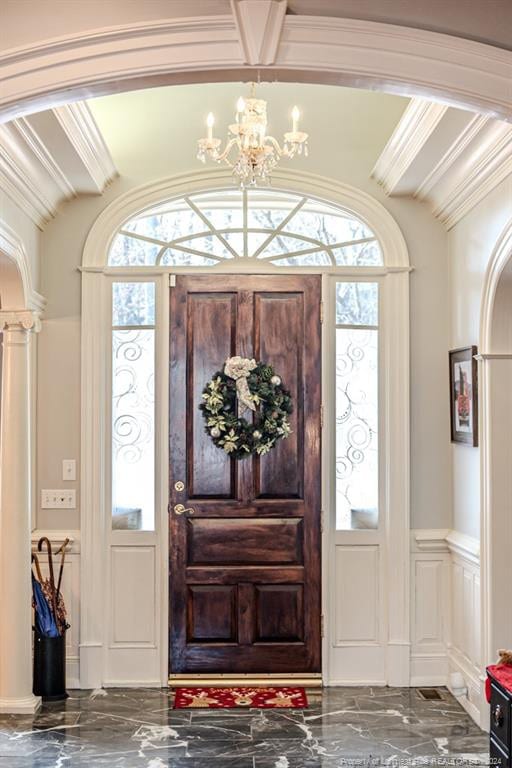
241	698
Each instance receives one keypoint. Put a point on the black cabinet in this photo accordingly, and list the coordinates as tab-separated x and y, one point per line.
501	727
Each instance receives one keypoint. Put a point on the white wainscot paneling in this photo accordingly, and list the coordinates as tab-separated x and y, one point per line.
133	597
133	653
430	610
357	652
357	590
464	653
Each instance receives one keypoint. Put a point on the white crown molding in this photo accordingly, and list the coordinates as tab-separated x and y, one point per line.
469	155
21	185
52	158
414	128
312	49
259	24
485	168
470	132
83	133
466	547
42	154
365	206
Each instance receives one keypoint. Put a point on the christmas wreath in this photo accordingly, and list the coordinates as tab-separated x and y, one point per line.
243	385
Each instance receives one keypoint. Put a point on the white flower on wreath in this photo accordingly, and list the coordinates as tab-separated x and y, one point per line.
239	368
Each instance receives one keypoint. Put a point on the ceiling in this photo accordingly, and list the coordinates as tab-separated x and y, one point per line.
446	157
155	131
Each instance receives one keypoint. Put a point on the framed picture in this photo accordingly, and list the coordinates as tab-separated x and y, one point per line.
464	395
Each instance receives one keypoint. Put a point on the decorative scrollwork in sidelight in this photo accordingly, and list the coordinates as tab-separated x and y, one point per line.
133	393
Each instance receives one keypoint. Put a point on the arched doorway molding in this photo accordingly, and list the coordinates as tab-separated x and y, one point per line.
350	52
495	360
365	206
390	647
16	291
17	320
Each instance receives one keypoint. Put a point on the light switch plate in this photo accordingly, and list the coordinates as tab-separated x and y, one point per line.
68	469
58	499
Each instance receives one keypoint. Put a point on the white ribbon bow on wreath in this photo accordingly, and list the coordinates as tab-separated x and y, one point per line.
239	368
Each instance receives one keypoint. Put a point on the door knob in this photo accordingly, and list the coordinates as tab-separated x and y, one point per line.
180	509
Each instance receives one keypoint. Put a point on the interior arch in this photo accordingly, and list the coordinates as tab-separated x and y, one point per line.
15	287
496	454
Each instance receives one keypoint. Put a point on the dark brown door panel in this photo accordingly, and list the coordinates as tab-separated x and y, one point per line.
245	556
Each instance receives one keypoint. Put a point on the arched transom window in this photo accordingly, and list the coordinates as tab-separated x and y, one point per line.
279	228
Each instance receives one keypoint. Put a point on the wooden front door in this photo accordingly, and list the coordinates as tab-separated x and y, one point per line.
245	555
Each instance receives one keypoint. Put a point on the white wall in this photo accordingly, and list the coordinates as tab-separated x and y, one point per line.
471	243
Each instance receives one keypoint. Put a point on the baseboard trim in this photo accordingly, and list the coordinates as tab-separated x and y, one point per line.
474	702
132	684
355	683
25	706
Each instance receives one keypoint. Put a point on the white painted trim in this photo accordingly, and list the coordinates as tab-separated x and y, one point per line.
395	325
84	135
414	128
484	171
259	24
13	247
355	52
26	706
430	540
57	538
500	257
22	187
474	701
493	356
466	547
92	471
495	565
463	141
43	155
352	199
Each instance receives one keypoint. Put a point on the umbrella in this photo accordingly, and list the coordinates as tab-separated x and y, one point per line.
48	600
45	621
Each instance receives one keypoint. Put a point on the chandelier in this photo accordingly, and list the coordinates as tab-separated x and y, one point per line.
249	150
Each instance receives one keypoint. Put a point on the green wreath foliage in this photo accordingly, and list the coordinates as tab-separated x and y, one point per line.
235	435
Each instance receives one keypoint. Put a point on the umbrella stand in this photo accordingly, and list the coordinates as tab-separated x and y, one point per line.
49	632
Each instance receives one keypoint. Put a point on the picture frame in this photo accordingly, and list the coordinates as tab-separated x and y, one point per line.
464	395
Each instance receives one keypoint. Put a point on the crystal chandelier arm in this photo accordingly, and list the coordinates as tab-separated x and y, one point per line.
224	156
274	142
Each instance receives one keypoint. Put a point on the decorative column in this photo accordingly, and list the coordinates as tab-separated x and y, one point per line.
15	480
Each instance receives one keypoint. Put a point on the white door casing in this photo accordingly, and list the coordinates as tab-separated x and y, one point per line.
381	654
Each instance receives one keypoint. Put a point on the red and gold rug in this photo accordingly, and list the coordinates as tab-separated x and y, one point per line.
243	698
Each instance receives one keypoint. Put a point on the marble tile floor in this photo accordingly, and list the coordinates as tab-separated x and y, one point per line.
343	727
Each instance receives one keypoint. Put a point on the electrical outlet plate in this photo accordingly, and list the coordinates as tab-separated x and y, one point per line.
58	499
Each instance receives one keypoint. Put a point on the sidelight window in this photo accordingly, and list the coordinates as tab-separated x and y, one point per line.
357	397
133	405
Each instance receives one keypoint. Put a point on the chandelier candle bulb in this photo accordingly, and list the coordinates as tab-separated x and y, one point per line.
210	120
295	119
